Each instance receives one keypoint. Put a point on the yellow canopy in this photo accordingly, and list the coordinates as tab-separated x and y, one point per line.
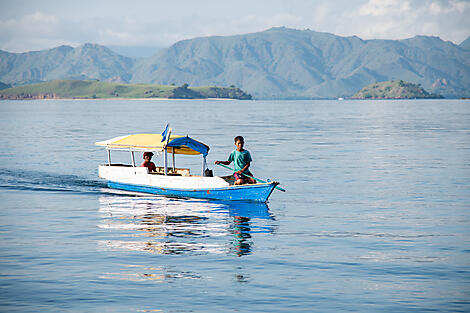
151	142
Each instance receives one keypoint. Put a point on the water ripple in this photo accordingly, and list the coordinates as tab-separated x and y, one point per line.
176	226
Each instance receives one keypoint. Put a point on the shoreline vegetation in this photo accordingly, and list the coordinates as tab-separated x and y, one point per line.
94	89
394	89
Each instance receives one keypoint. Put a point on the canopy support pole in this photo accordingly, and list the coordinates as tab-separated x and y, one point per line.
165	156
165	162
203	166
109	157
133	159
173	151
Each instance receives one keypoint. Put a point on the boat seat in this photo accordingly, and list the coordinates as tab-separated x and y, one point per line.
229	179
171	172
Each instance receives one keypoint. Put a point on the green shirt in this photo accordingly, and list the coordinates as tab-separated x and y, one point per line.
240	159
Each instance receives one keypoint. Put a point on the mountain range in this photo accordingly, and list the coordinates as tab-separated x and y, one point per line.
276	63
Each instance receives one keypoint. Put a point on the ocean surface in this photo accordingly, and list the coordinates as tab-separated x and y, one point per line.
376	217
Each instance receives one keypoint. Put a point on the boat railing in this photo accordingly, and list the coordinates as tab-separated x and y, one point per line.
172	171
117	164
178	171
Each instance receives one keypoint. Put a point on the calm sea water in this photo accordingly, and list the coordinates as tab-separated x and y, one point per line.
376	216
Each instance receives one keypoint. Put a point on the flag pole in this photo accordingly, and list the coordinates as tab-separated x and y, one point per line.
166	138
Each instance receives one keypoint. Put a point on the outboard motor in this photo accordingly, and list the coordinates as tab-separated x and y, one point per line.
208	173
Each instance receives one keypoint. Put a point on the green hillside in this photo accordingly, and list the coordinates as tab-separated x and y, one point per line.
277	63
396	89
89	61
92	89
4	86
288	63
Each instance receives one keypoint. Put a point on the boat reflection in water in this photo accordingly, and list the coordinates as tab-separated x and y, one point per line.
176	226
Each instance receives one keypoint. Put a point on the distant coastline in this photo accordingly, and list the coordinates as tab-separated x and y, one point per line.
94	89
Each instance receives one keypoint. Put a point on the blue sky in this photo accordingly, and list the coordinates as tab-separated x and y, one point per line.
27	25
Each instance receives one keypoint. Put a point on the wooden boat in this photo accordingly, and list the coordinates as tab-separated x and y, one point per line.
173	181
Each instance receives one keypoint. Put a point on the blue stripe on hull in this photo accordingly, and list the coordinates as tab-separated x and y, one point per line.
259	193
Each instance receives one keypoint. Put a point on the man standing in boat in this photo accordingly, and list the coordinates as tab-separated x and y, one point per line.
241	159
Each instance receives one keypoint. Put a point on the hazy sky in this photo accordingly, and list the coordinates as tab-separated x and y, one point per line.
27	25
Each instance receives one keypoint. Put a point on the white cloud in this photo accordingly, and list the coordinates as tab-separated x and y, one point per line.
35	23
384	7
452	6
459	6
34	31
435	8
246	24
392	19
386	19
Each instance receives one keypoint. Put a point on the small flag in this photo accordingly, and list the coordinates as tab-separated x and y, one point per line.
165	133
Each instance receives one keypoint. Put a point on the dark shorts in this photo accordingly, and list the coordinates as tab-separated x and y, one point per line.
240	176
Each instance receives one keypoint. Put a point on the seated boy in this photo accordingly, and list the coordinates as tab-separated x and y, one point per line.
147	163
241	160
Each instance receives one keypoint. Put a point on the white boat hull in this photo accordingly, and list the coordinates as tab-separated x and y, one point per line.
138	179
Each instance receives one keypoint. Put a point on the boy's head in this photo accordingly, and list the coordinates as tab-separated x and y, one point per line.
239	142
239	138
148	155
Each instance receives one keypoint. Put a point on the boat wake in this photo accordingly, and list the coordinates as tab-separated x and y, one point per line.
41	181
157	224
